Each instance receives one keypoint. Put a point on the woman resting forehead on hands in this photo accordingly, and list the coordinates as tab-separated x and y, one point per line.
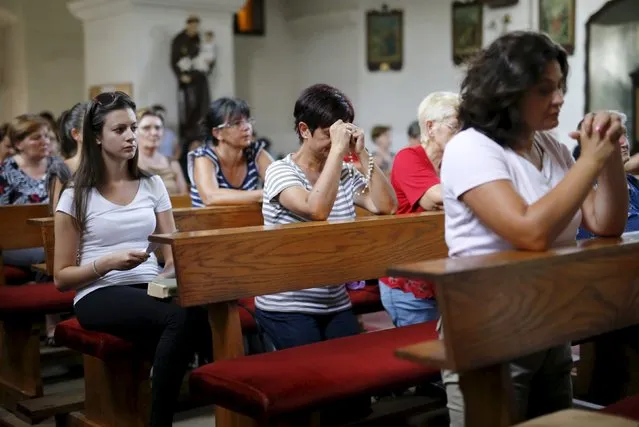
315	184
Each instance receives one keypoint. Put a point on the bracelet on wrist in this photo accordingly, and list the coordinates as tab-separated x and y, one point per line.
95	269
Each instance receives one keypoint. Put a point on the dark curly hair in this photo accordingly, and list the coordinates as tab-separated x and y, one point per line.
498	78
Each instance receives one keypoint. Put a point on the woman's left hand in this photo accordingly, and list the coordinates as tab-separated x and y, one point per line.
357	141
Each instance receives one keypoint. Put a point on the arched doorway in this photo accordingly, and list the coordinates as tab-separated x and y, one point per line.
612	34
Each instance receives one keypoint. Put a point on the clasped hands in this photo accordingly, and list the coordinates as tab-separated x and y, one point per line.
347	138
600	135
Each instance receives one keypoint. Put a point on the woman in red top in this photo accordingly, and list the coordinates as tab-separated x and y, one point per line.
415	178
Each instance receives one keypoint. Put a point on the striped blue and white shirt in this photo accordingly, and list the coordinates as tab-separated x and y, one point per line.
284	174
251	181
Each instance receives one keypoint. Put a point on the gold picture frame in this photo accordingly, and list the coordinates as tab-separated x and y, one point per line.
95	90
468	28
557	19
385	39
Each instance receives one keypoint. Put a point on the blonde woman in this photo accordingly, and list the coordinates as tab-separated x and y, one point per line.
415	179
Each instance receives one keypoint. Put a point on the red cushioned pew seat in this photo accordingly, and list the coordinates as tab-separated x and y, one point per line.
70	333
627	408
15	275
366	300
247	315
34	298
265	386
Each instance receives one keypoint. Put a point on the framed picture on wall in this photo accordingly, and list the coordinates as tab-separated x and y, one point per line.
385	39
467	30
122	87
250	20
557	19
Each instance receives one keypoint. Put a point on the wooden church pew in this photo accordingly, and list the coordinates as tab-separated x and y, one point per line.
266	387
22	310
213	218
537	300
180	201
113	363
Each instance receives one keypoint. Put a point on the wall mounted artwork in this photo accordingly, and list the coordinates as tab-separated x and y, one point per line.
385	39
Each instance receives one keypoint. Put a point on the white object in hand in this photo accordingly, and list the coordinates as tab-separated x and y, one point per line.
152	247
185	64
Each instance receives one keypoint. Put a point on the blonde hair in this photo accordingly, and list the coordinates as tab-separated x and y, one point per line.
24	125
436	107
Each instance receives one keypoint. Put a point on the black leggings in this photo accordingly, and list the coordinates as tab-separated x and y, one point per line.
172	332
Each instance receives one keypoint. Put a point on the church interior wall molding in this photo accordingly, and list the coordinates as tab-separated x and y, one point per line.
89	10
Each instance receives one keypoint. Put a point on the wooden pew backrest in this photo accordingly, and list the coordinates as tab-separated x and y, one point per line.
186	219
15	233
180	201
213	218
226	265
505	305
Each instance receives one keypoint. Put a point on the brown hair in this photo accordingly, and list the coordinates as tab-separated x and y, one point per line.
91	172
379	131
24	125
499	77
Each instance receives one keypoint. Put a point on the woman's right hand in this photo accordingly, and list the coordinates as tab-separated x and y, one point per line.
125	260
341	135
599	136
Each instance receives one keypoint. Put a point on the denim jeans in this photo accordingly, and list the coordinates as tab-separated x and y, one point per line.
287	330
405	308
23	257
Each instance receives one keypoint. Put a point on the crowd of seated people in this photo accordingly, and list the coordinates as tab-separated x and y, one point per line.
484	156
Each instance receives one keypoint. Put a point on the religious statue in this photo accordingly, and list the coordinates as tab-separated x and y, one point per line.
192	60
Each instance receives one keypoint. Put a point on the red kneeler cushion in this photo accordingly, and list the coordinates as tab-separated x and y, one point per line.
627	408
304	378
366	300
247	315
34	298
15	275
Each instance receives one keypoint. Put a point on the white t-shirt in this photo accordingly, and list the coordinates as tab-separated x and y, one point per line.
472	159
112	228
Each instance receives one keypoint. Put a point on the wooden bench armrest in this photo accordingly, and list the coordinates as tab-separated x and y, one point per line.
431	353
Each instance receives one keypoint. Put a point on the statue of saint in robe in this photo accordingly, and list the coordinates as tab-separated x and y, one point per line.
192	66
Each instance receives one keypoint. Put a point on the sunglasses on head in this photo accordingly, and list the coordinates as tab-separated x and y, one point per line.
106	99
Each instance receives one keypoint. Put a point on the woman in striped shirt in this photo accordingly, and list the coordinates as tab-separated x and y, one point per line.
315	184
226	170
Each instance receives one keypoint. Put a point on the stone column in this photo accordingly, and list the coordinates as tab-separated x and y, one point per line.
129	41
13	75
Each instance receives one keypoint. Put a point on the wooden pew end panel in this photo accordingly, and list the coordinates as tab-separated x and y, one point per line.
19	361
